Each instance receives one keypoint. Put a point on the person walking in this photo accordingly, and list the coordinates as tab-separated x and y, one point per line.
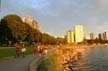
40	49
45	51
34	49
23	49
17	48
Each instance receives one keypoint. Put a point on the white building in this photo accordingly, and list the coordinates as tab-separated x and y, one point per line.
70	37
29	20
78	30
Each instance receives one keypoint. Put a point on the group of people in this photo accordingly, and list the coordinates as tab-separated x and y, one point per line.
20	47
40	49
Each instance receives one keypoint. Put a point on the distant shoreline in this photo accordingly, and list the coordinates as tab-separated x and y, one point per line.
85	46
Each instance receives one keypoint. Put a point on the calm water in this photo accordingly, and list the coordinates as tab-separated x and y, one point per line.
93	59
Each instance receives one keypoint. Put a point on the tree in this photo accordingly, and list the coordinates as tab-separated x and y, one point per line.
12	28
61	40
5	32
32	34
17	27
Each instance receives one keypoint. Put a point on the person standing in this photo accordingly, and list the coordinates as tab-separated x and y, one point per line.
17	48
45	51
23	49
34	49
40	49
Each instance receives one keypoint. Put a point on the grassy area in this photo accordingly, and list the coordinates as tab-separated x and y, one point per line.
53	62
50	64
6	52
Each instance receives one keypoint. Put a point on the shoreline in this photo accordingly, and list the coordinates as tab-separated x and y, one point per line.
69	60
85	46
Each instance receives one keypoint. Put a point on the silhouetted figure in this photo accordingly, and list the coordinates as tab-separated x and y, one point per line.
34	49
17	47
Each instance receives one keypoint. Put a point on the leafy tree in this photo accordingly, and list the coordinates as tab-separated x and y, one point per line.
18	28
32	34
44	38
5	31
61	40
12	29
48	39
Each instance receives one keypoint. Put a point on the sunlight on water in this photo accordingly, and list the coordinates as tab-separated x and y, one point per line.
92	59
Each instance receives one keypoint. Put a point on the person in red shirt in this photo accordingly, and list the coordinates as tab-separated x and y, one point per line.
40	49
17	47
34	49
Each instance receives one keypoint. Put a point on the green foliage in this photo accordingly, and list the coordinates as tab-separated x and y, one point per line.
97	41
7	52
49	64
13	29
5	31
15	23
61	40
29	50
12	18
36	36
47	39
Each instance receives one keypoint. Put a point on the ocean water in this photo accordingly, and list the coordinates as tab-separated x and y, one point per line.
92	59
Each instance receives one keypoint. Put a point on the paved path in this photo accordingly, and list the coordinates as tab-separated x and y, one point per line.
18	64
21	63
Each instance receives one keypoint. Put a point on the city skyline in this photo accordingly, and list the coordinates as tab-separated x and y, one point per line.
57	16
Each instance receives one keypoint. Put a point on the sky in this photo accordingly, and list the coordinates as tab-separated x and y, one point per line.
55	17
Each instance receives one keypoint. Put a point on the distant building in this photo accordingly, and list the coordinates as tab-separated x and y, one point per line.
70	37
105	36
35	24
100	36
92	36
29	20
78	33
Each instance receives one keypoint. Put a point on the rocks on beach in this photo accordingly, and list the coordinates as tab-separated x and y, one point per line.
69	60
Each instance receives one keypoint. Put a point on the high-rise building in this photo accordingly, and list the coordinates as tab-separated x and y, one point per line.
29	20
100	36
35	24
78	30
105	36
92	36
70	37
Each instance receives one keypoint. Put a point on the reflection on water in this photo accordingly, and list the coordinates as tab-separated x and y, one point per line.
93	59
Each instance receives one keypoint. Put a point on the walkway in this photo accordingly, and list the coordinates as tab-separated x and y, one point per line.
22	63
18	64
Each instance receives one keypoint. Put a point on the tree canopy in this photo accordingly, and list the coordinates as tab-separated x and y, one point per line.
12	28
17	27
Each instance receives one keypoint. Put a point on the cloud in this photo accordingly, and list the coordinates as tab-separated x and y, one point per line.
103	4
61	14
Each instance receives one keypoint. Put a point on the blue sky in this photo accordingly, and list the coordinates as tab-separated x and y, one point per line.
57	16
